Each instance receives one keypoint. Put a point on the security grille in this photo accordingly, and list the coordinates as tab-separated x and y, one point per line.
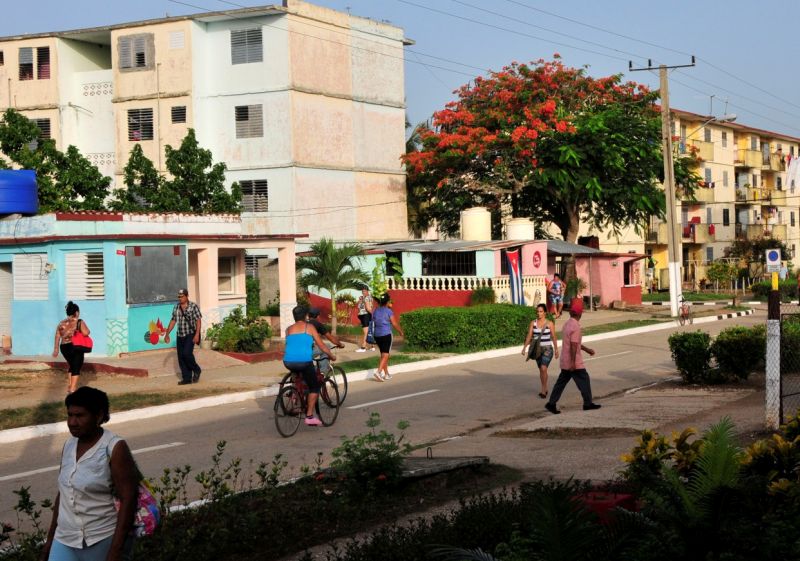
30	276
43	63
255	195
85	277
140	124
44	127
246	46
249	121
26	63
179	114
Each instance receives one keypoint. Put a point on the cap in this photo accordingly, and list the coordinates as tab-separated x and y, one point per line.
576	305
313	312
183	292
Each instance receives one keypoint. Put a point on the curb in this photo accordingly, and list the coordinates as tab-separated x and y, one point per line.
26	433
96	367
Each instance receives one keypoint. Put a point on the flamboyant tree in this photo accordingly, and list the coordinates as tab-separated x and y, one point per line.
549	142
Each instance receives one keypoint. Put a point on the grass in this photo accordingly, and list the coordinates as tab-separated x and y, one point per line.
691	296
372	361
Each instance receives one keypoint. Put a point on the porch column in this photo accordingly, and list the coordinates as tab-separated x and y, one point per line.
207	297
287	285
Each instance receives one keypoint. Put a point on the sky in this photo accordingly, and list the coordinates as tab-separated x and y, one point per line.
745	50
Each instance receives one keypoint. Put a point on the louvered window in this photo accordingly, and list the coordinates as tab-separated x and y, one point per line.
2	59
140	124
85	277
179	114
43	63
249	121
26	63
30	276
251	265
255	196
246	46
135	51
44	127
176	40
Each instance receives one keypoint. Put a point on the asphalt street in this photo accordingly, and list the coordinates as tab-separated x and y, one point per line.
443	405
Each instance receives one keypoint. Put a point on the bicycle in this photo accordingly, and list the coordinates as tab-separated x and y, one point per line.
684	312
335	372
291	403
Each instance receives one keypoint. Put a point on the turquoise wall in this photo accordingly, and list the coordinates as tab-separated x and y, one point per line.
412	264
484	264
144	333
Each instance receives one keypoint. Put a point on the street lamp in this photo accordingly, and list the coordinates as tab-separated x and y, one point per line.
674	249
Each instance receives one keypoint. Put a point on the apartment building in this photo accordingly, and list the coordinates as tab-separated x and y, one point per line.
304	104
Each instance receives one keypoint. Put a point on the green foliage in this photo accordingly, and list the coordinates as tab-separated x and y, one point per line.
195	183
790	347
787	288
372	458
691	354
490	326
722	272
219	482
482	295
253	288
239	333
378	284
739	351
25	545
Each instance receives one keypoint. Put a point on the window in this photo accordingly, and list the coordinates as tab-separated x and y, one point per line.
756	181
753	143
246	46
707	134
30	276
136	51
724	178
755	216
709	254
724	139
683	133
251	265
709	216
791	150
226	275
84	276
43	63
449	263
179	114
249	121
707	172
140	124
26	63
779	183
255	195
44	127
726	217
2	59
177	40
791	219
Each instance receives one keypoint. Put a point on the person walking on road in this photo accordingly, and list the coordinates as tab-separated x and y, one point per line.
187	316
543	329
63	341
556	289
572	367
365	306
384	318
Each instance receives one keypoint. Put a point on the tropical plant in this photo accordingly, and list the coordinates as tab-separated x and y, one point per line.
482	295
239	333
378	283
333	269
721	272
691	354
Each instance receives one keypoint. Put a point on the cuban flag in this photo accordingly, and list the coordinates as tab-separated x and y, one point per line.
515	277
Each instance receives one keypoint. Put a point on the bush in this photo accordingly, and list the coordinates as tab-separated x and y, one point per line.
790	347
739	351
691	353
490	326
238	333
483	295
253	289
787	288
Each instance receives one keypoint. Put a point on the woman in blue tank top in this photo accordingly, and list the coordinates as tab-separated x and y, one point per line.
297	357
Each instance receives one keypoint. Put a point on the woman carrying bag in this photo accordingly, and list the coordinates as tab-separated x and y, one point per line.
543	344
72	338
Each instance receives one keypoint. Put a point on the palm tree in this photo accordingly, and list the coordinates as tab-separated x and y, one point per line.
333	269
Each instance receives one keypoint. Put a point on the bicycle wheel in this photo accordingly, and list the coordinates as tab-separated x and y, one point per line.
681	317
285	381
288	411
689	318
338	375
328	402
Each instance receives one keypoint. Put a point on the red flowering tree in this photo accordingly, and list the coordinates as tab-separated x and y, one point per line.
545	141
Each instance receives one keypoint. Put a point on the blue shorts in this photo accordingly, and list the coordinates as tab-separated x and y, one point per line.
556	299
547	356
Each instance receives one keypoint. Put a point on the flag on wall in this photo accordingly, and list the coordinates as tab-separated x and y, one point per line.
515	277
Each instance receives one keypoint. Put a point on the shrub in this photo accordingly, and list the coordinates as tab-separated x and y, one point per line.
253	296
790	347
345	303
490	326
739	351
238	333
483	295
787	288
691	353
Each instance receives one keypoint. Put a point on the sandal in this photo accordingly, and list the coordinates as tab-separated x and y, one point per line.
543	395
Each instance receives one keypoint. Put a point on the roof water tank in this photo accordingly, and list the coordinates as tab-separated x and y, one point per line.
476	224
519	229
18	192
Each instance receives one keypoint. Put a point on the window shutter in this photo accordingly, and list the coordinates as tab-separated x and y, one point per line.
238	47
125	58
140	124
249	121
255	195
255	51
84	276
179	114
43	63
246	46
139	48
44	127
30	276
176	40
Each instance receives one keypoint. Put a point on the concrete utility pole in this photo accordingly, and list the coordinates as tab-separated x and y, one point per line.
674	249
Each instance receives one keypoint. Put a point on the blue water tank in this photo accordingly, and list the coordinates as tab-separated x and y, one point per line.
18	193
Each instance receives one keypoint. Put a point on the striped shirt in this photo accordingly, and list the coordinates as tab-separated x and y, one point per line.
546	337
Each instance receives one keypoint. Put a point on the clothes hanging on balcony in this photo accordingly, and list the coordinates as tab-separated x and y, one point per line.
793	175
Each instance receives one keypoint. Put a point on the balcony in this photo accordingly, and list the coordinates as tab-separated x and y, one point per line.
752	196
702	195
777	198
773	162
657	234
758	231
747	158
698	233
705	150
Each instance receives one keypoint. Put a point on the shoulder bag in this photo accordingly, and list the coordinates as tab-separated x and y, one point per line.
147	515
81	342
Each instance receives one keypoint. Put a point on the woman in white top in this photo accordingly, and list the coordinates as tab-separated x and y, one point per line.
543	329
86	525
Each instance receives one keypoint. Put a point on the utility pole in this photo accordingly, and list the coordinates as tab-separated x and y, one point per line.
674	250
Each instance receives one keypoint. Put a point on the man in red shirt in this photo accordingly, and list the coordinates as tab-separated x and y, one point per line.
571	362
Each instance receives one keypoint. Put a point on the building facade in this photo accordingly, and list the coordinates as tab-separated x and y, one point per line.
305	106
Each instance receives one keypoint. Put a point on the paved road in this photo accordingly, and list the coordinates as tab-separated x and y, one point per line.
439	403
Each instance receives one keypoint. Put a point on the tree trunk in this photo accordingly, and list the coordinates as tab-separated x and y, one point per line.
572	237
333	313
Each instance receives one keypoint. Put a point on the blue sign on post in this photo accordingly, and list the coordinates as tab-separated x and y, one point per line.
773	260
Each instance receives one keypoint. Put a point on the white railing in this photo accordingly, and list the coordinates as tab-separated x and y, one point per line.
462	282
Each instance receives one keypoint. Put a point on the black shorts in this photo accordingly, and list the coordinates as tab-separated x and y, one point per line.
309	373
364	319
384	343
73	357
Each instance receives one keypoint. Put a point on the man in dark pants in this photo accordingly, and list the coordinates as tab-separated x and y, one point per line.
572	367
189	319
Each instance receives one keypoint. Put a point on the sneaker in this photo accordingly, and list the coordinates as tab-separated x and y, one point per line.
387	377
591	406
552	408
372	349
361	350
378	377
313	422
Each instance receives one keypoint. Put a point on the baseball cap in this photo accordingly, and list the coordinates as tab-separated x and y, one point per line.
313	312
183	292
576	305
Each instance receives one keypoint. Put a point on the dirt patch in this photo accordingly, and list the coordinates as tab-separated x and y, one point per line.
568	433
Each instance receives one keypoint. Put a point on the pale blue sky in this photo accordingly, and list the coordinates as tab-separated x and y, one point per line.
746	50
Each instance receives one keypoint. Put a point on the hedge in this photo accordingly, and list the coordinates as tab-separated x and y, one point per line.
739	350
690	351
473	328
787	288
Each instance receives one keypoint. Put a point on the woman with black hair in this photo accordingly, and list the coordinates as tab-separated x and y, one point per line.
64	331
96	467
385	320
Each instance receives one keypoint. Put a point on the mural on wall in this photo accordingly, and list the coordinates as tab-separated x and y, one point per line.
155	332
147	327
117	336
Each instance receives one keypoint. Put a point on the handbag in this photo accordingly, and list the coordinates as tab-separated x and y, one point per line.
535	349
81	342
371	332
147	514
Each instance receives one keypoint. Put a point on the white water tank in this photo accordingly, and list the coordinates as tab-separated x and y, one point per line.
520	229
476	224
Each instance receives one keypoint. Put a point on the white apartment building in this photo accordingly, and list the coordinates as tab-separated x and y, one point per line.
305	105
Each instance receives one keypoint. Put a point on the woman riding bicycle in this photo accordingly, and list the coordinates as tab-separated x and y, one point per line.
297	357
